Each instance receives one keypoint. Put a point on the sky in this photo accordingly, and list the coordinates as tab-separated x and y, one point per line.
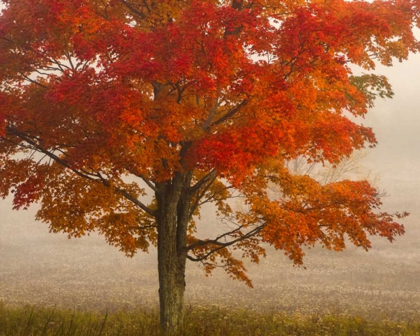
396	123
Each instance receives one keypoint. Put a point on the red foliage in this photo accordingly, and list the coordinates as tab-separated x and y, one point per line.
224	89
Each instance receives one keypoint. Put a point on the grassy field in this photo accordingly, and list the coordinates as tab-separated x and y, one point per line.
199	321
349	293
88	275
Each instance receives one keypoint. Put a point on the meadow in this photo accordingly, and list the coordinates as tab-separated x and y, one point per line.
50	285
198	321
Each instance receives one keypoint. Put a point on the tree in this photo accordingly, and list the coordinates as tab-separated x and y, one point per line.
104	102
348	168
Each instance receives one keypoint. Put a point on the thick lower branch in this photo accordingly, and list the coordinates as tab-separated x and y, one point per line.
95	177
221	245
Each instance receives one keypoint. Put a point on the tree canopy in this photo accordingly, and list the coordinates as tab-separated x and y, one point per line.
193	102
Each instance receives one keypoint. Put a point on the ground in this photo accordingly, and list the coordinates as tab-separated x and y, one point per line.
47	269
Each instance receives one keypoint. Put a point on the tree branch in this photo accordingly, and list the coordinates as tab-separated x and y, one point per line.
33	81
237	4
215	240
207	123
200	196
221	245
83	173
212	198
230	113
128	196
204	180
148	182
133	10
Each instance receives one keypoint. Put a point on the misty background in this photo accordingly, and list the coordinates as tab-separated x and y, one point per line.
38	267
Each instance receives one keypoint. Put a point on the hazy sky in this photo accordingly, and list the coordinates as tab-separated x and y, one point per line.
396	123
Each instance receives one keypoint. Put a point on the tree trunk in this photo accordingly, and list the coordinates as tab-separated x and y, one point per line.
171	284
173	206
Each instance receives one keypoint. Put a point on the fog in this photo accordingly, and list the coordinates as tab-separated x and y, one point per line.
38	267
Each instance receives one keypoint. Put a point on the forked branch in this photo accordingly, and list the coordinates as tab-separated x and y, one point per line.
220	244
210	176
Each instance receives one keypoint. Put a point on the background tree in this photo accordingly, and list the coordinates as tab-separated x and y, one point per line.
348	168
104	102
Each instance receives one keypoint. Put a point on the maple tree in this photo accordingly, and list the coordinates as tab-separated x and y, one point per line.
104	102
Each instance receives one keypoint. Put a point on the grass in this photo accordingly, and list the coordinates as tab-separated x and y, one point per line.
40	269
212	320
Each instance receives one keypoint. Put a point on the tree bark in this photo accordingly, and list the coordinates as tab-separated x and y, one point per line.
173	206
171	285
